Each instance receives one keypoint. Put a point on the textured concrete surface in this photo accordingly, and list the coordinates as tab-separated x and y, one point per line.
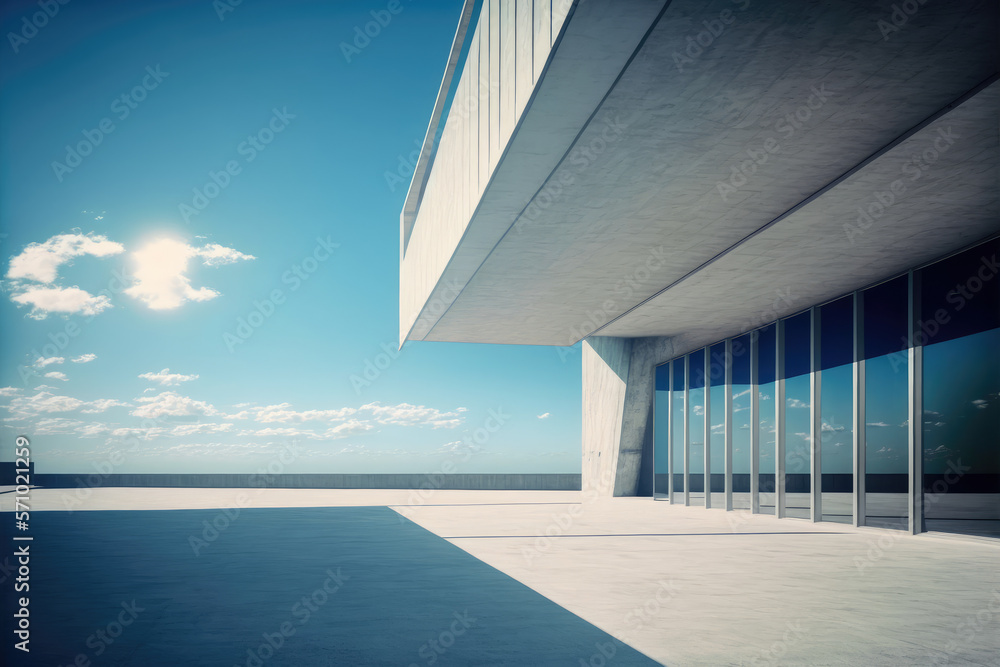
689	586
685	586
617	420
605	365
797	95
577	75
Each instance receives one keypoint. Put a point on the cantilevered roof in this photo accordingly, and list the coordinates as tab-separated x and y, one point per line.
747	160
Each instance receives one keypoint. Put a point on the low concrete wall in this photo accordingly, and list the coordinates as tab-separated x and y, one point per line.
511	482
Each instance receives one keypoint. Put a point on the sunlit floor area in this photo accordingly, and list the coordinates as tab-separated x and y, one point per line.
390	577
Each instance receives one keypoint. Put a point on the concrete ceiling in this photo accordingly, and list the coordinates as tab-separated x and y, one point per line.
643	229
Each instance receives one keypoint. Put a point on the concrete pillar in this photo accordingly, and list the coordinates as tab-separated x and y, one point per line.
618	389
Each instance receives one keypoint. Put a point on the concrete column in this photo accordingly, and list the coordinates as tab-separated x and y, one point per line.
618	390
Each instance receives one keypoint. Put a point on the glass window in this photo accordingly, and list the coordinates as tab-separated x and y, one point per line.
717	413
960	331
661	431
886	409
798	401
696	426
766	374
741	390
837	409
677	429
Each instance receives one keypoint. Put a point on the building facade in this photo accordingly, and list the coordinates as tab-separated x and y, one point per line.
771	225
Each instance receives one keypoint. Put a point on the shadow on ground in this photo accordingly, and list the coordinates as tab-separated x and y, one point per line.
302	586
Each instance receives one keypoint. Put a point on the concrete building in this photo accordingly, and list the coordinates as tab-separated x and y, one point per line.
773	225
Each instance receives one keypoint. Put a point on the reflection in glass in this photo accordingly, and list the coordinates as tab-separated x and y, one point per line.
766	371
696	426
741	390
798	400
837	409
717	413
677	429
661	431
886	404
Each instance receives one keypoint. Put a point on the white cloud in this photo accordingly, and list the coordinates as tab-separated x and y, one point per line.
796	403
282	414
170	404
876	424
346	429
66	300
168	379
9	391
84	358
43	403
56	426
160	280
40	262
544	415
193	429
42	362
406	414
56	375
103	404
980	403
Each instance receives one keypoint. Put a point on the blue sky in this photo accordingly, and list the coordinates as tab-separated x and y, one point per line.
115	269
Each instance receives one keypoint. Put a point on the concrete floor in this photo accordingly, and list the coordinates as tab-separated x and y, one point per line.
689	586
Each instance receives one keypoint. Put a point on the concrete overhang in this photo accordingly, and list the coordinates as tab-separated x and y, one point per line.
725	164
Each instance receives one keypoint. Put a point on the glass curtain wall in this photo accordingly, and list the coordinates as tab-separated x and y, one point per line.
717	425
942	321
836	334
798	403
696	426
886	403
766	422
677	447
661	432
959	328
741	390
